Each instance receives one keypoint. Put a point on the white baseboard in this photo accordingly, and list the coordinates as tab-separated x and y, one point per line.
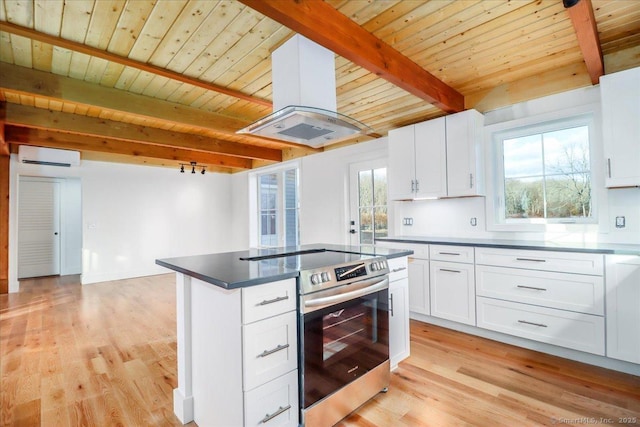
182	406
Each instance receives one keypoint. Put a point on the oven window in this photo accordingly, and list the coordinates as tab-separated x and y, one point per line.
342	343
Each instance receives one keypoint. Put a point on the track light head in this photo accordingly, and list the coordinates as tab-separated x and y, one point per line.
181	168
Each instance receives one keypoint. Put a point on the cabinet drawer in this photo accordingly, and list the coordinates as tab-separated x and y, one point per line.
271	299
578	331
398	268
274	404
451	253
564	262
573	292
269	349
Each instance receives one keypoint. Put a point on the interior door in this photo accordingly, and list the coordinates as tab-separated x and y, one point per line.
38	227
368	202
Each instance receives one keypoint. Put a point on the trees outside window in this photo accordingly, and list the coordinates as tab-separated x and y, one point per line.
547	174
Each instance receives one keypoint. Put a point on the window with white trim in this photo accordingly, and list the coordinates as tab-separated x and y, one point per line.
278	208
544	173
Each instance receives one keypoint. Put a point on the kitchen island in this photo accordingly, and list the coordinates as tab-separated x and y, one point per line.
230	305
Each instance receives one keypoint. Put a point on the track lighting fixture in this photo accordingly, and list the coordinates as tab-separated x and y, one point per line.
193	165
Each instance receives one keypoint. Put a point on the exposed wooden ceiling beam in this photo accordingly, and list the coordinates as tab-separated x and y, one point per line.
54	139
32	117
103	54
320	22
584	22
39	83
34	82
4	145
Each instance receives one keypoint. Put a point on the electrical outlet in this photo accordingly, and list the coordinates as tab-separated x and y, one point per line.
620	222
407	221
473	221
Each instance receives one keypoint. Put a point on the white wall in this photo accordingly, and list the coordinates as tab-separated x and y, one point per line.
132	215
451	217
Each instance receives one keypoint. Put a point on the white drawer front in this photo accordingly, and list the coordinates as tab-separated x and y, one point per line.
270	299
564	262
398	268
269	349
578	331
451	253
573	292
274	404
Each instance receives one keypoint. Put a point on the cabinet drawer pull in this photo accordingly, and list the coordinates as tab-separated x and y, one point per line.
391	305
395	270
530	287
532	323
268	417
448	253
274	350
609	167
531	259
271	301
450	271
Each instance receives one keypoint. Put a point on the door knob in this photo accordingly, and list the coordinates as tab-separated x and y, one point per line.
352	231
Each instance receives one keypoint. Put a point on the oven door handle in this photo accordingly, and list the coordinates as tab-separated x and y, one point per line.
375	285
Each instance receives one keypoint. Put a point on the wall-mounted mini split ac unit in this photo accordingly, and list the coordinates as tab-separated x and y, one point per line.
48	156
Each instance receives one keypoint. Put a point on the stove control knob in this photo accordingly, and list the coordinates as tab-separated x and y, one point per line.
374	266
315	279
325	277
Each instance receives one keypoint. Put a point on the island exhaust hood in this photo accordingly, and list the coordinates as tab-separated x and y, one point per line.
304	98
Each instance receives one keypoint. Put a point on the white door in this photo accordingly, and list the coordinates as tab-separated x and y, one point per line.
368	200
38	227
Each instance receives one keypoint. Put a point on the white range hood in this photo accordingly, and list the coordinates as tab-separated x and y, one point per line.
304	98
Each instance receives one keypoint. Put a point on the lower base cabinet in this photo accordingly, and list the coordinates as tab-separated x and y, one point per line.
453	292
578	331
419	286
623	307
399	335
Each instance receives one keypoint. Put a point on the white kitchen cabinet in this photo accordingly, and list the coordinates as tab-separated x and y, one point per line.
417	161
419	286
244	354
437	158
620	94
399	334
453	293
465	172
623	307
564	328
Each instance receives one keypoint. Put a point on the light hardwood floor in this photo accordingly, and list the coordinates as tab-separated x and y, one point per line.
105	355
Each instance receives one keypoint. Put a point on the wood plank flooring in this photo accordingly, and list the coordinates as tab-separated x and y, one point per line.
105	355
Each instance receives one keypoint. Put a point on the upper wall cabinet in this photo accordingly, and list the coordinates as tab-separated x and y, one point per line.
437	158
620	94
417	161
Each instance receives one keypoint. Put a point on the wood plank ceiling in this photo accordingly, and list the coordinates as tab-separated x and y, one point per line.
168	82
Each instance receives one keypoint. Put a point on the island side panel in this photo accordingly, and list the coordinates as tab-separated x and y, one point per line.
183	395
216	355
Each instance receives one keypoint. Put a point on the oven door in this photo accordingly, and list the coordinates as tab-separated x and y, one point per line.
343	340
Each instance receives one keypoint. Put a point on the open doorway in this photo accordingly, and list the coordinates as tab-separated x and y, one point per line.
49	226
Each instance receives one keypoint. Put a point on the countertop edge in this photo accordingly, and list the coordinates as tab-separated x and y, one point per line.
515	245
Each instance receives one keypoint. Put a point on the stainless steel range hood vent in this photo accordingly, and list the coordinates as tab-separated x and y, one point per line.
306	125
304	98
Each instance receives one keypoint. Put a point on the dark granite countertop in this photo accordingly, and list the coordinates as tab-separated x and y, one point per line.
231	270
598	248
